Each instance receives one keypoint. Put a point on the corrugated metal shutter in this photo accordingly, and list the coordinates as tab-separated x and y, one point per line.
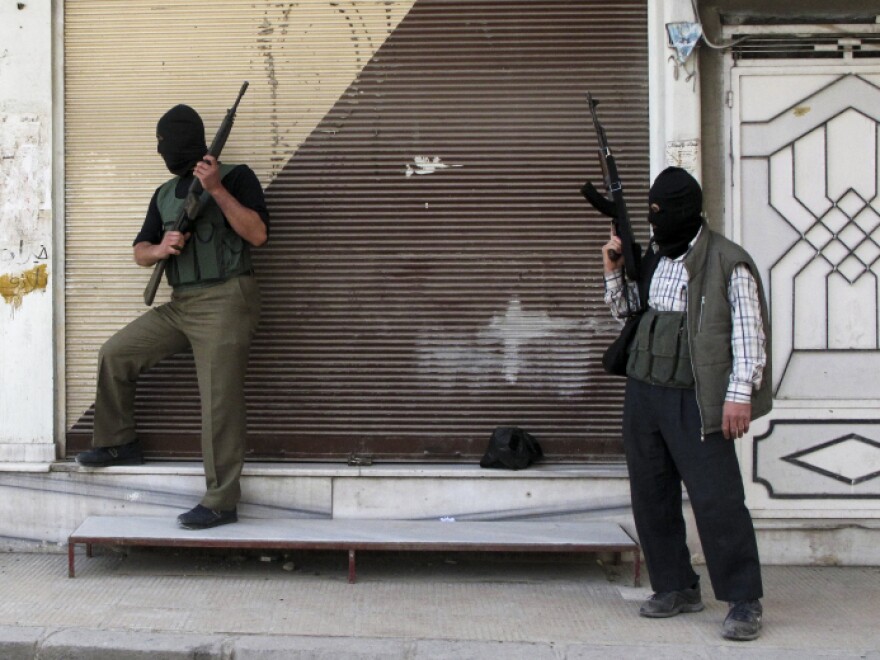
432	271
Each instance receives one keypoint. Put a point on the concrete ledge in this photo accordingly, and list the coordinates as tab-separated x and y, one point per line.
25	467
384	470
48	506
819	542
27	452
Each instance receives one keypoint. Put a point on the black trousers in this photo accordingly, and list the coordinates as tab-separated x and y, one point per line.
661	436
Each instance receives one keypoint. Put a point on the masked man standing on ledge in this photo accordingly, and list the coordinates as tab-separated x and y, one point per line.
697	374
214	309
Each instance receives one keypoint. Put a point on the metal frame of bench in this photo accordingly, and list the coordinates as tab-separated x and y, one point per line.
368	535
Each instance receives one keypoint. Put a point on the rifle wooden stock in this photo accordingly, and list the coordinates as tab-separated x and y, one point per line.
153	284
196	198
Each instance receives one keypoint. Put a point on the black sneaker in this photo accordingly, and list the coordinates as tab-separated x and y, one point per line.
128	454
669	603
743	621
201	517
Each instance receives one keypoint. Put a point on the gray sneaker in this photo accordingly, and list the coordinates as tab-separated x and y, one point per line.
669	603
743	621
127	454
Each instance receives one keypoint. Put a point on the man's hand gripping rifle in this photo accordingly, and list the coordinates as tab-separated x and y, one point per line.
196	197
615	207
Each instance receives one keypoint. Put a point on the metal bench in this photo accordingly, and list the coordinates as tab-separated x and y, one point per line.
359	534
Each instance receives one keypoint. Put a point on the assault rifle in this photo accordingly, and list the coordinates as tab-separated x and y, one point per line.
615	206
196	197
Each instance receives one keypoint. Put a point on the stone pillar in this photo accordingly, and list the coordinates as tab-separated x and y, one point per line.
28	261
674	93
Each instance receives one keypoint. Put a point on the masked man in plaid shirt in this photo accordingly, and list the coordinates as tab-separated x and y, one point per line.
697	374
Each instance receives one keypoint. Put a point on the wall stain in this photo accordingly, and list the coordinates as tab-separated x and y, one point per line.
14	288
273	34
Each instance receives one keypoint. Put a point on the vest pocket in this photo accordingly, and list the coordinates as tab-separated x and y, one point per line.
660	353
638	365
684	370
205	235
665	347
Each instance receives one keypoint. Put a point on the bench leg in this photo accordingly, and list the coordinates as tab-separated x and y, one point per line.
351	568
70	569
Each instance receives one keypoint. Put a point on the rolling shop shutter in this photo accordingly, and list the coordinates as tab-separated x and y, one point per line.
432	270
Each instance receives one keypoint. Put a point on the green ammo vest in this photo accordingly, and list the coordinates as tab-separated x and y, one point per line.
660	351
667	344
214	252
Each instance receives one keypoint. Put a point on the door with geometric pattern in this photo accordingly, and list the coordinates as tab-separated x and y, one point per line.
806	204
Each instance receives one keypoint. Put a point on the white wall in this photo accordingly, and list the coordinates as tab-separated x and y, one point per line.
674	94
27	271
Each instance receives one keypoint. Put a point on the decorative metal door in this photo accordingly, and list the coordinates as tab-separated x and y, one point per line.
806	197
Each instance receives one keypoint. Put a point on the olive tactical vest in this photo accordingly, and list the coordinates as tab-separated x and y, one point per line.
214	252
706	335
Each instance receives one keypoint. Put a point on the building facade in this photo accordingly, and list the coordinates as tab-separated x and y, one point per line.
432	270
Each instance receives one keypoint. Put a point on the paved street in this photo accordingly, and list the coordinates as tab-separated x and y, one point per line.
163	603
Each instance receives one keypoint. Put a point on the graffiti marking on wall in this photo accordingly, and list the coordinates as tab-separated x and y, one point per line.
426	165
518	327
14	287
503	345
23	254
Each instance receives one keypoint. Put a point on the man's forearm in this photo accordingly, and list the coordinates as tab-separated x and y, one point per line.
615	289
146	254
246	222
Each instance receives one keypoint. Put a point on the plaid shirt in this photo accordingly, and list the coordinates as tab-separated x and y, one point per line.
668	293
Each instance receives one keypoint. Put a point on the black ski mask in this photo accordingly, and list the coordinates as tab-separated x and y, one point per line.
675	202
181	136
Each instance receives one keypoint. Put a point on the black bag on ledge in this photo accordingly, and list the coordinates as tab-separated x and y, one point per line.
511	448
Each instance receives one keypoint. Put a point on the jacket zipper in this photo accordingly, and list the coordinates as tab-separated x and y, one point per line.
696	384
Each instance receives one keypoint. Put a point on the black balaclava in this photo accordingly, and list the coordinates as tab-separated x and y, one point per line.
675	202
181	136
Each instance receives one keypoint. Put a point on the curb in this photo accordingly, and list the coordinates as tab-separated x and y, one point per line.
34	643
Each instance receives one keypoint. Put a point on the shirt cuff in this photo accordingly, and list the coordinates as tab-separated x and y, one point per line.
614	280
739	392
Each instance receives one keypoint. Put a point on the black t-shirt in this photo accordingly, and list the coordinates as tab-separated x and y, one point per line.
241	182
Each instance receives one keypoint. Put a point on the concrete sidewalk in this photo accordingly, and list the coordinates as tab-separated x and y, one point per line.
170	604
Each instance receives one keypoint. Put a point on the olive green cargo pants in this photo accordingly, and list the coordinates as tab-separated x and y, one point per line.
218	322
